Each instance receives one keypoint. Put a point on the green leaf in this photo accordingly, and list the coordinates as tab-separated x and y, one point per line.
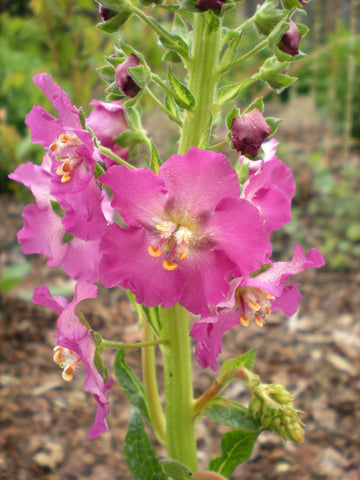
245	360
175	469
130	384
129	137
115	5
234	113
140	455
273	72
236	448
230	50
172	57
173	42
257	103
140	74
114	23
231	414
228	93
290	4
107	73
155	162
183	97
273	123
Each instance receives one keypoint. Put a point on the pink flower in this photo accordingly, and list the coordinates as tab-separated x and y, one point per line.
75	344
270	187
187	232
108	121
249	131
123	78
44	230
252	298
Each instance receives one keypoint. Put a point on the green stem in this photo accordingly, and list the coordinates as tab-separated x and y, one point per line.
109	153
156	413
202	83
131	346
162	107
244	57
180	429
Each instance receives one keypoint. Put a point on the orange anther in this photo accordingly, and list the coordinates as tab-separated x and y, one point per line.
183	255
244	321
66	178
53	147
63	138
169	265
154	251
253	305
258	321
68	373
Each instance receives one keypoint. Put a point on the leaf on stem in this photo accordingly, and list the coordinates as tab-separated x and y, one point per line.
175	469
228	93
183	97
130	384
140	455
236	448
231	414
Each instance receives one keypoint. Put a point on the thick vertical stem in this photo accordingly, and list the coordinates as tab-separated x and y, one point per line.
180	430
202	82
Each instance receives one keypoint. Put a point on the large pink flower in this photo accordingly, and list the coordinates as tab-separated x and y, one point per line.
252	297
270	187
75	344
187	231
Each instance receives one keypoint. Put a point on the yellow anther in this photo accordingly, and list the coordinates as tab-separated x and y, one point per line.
270	297
154	251
253	305
258	321
169	265
244	321
68	373
183	255
66	178
53	147
267	310
162	228
58	356
63	138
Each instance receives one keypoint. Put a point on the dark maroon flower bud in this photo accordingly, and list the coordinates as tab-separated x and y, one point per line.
210	4
106	13
123	78
249	131
290	41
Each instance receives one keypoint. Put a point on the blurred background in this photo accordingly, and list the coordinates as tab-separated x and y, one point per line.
316	353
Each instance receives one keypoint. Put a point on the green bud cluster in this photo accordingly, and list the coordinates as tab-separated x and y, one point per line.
272	408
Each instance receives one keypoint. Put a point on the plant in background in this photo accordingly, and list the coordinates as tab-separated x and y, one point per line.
190	234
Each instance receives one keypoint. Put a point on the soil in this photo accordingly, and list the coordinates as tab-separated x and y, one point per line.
44	421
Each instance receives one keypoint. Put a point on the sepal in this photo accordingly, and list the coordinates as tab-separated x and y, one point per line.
273	73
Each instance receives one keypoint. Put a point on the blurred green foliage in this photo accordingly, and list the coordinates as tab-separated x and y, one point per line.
58	37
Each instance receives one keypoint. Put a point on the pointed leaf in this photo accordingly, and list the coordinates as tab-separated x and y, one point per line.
107	73
257	103
130	384
231	414
273	123
245	360
140	455
114	23
228	93
183	97
140	74
175	469
230	51
236	448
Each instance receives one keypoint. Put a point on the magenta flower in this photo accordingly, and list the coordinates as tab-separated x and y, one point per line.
74	345
108	121
210	4
187	230
270	187
123	78
252	298
249	131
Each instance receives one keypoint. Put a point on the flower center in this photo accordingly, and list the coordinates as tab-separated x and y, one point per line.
64	149
175	242
67	360
253	303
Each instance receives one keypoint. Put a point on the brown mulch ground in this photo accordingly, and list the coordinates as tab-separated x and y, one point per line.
44	421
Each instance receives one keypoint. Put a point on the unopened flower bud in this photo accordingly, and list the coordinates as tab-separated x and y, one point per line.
210	4
106	13
279	393
290	41
124	80
249	131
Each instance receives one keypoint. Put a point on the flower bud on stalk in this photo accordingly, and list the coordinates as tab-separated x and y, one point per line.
106	13
290	41
271	406
249	131
124	80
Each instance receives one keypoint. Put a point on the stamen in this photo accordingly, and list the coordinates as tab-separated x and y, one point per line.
53	147
182	255
169	265
258	321
68	373
154	251
66	178
253	305
244	321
